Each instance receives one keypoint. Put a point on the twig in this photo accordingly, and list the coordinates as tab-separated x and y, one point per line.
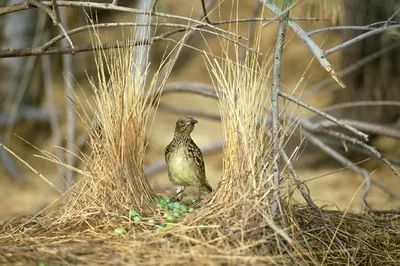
365	28
250	31
30	167
276	87
31	114
187	111
55	125
371	149
360	103
344	161
53	14
358	149
68	70
364	126
349	69
323	114
359	38
109	45
319	54
205	15
142	52
10	166
192	87
300	185
187	37
23	85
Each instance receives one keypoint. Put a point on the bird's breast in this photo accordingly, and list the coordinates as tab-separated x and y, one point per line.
182	168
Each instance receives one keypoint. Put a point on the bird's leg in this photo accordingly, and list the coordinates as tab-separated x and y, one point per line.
179	192
199	193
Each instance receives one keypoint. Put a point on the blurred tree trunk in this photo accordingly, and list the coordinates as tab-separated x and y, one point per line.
380	79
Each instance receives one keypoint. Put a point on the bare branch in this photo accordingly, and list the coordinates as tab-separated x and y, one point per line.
300	185
311	127
187	111
53	14
319	54
366	127
359	38
349	69
323	114
344	161
205	15
276	87
191	87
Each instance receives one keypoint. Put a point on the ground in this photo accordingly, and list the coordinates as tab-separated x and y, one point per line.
339	188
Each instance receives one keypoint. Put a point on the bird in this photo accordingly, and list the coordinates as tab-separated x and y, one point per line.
184	159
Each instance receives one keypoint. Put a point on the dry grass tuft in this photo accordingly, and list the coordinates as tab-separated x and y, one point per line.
123	108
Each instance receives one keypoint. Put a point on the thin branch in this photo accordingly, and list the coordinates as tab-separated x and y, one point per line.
359	38
53	14
68	71
334	28
300	185
205	15
276	87
315	49
191	87
109	45
364	126
187	111
23	85
323	114
344	161
369	148
10	166
187	37
360	103
105	6
349	69
31	114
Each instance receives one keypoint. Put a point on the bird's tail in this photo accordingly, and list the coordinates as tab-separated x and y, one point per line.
208	187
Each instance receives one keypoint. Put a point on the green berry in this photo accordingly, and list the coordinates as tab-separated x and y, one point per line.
159	229
133	213
176	205
151	221
191	209
176	214
194	200
183	208
170	218
119	231
137	219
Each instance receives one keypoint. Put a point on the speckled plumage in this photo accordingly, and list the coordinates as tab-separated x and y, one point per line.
184	159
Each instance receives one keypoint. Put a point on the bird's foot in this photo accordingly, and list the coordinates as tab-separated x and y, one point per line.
179	193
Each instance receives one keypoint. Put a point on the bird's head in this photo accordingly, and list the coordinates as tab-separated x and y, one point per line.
185	125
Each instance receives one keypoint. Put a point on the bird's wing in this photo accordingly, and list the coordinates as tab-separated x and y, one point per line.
167	152
196	153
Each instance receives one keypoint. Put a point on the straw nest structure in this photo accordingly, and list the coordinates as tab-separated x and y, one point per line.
232	226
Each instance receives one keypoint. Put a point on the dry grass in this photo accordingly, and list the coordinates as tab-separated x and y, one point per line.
231	227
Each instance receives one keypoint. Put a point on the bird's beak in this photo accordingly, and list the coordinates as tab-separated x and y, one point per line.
193	121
